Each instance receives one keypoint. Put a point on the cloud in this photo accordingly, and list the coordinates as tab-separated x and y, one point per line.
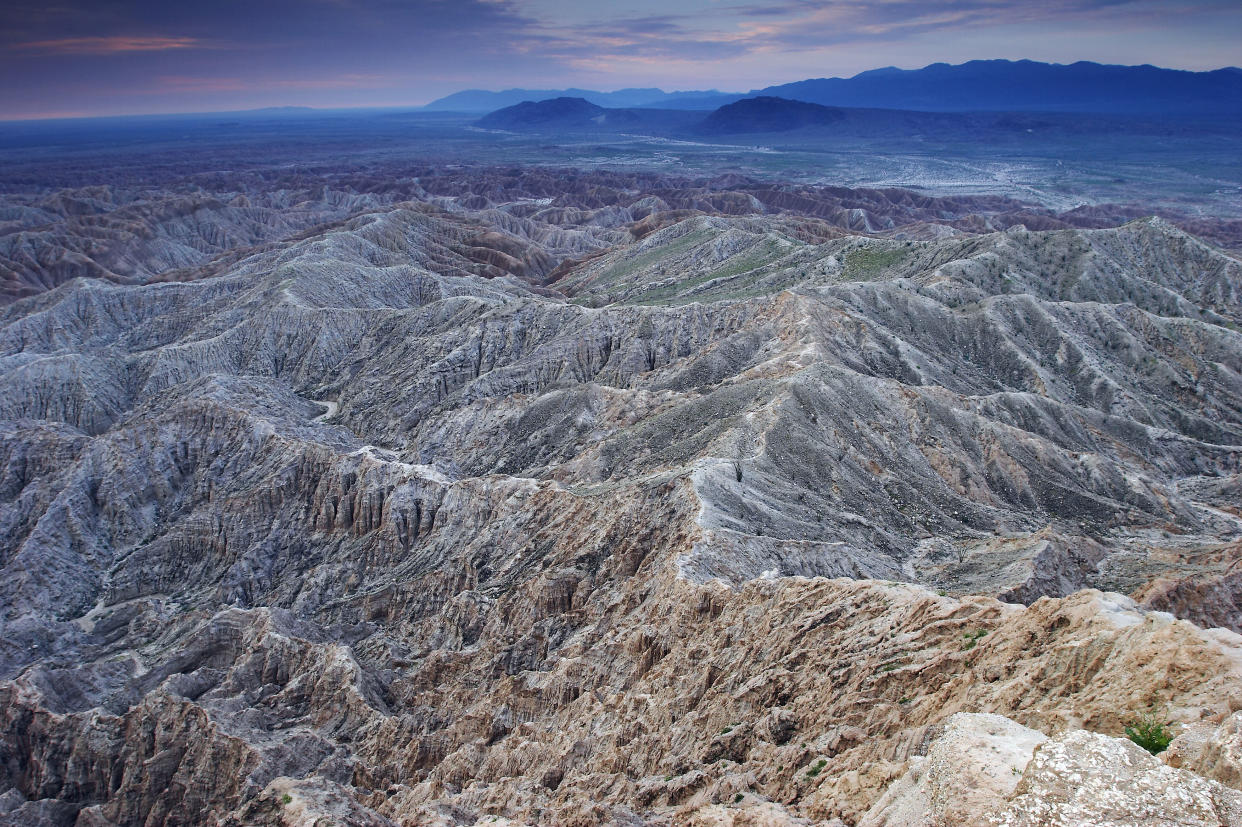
738	44
102	27
711	32
184	83
114	45
142	54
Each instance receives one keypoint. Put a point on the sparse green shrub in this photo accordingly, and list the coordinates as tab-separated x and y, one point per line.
863	262
726	730
1150	733
738	798
816	768
971	638
286	799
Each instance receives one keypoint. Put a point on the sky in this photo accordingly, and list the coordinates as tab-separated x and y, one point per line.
67	58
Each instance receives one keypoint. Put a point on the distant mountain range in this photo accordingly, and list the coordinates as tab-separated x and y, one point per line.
980	85
479	100
748	116
800	121
1025	85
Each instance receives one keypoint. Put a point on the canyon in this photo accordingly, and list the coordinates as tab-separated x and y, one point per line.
454	494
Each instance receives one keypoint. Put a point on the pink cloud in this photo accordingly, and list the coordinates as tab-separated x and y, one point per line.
109	45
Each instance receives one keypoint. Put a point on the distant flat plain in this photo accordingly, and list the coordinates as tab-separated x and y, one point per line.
1057	161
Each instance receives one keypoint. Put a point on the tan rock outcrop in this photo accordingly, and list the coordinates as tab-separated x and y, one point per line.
970	770
1214	752
1086	778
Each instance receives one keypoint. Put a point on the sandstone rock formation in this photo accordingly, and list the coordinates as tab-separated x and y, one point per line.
1213	751
969	772
1087	778
989	770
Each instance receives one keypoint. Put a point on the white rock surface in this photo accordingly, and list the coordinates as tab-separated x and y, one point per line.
1084	779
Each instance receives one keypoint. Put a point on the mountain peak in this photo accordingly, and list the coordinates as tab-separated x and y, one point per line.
767	113
543	113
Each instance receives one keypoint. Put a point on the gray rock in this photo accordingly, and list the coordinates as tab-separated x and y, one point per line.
382	515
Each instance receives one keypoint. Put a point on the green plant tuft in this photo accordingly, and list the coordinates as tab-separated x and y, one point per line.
1150	733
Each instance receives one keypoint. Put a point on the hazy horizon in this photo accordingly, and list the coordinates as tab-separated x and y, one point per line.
604	89
82	59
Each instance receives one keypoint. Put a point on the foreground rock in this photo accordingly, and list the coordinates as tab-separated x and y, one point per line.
807	698
988	770
1085	778
969	772
1212	751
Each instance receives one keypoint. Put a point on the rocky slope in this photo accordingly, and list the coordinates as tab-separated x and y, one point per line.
180	225
566	510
